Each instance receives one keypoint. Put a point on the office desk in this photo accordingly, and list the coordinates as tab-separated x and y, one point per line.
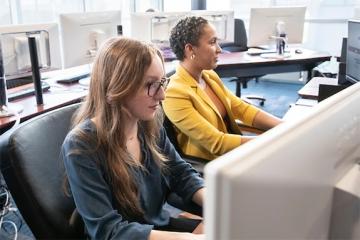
242	65
59	95
311	89
308	97
297	111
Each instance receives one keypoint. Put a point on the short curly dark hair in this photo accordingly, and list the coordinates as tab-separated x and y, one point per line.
187	30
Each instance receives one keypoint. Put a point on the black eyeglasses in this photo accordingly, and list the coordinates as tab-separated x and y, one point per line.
154	87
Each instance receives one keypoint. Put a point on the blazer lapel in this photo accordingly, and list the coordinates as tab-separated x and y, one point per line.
221	95
200	93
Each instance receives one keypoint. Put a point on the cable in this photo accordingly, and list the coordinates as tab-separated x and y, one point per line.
5	206
15	228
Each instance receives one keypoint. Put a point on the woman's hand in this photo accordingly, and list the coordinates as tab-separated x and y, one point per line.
164	235
199	229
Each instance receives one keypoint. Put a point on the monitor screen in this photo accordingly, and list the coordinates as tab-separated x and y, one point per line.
223	22
83	33
281	185
15	48
264	21
156	26
353	52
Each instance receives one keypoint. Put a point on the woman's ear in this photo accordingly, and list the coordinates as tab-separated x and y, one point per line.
189	50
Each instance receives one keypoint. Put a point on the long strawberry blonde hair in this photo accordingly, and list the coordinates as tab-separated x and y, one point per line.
117	73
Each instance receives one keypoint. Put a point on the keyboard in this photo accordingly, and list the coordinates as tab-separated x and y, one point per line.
25	91
17	82
258	52
72	78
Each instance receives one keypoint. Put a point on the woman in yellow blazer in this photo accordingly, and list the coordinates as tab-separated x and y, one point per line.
202	109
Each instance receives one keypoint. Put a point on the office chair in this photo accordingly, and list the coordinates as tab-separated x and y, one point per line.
196	162
34	173
240	45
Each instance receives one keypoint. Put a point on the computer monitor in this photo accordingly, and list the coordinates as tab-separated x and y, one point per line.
353	52
15	48
263	23
281	184
223	22
83	33
156	26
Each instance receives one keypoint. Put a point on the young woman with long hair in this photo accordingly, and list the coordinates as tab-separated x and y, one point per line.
120	165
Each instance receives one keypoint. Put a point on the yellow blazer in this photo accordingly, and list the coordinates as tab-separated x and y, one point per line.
200	129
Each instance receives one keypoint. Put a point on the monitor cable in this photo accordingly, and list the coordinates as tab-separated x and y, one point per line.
5	208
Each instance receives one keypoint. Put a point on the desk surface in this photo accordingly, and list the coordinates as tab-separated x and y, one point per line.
309	95
240	64
311	89
296	112
58	95
229	64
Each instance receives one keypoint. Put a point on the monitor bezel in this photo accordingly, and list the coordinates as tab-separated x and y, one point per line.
81	25
348	77
259	29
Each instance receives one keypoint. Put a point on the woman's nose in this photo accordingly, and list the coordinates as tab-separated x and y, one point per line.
160	95
218	48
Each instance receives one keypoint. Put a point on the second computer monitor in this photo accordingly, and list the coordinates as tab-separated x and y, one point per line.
263	23
353	52
156	26
15	48
83	33
282	184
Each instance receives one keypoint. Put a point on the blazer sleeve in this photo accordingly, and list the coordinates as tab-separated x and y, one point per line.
180	110
241	110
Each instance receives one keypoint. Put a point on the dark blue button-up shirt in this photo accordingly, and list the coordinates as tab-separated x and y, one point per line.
93	195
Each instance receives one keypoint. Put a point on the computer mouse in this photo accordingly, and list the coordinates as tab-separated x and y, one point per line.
298	51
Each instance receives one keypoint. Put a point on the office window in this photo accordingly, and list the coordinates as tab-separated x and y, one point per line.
143	5
339	2
37	11
242	8
103	5
216	5
177	6
5	13
291	2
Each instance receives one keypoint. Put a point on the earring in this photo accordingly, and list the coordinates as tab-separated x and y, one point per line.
192	56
